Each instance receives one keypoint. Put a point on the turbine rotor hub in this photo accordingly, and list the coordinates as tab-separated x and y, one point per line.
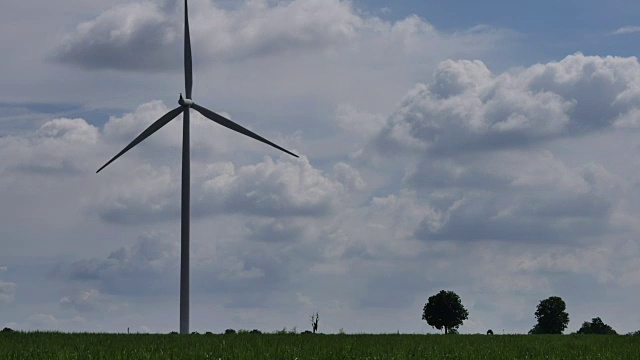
185	102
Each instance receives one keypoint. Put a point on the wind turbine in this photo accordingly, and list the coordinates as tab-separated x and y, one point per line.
185	105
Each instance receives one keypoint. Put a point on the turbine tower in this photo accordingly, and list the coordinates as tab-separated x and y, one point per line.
185	105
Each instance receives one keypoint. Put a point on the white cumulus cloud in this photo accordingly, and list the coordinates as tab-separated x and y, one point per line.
468	108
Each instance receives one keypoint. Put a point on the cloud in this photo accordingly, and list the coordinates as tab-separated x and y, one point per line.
7	292
475	149
73	147
516	197
7	289
154	32
237	273
148	197
89	300
42	321
626	30
147	36
349	177
358	122
59	147
268	188
105	41
143	268
392	288
283	188
467	108
275	230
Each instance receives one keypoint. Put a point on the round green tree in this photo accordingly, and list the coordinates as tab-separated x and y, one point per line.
552	317
444	310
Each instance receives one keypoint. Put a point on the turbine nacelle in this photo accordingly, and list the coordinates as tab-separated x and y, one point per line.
185	102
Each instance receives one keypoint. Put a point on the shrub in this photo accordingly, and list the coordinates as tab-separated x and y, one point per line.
489	332
7	330
596	326
229	331
256	331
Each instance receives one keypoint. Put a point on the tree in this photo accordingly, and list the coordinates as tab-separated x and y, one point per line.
444	310
596	326
314	322
552	317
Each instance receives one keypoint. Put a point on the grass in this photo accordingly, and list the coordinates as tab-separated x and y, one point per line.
52	345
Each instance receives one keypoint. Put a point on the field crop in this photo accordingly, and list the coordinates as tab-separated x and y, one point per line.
51	345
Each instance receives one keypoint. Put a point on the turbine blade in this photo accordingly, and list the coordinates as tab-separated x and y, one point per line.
150	130
188	68
233	126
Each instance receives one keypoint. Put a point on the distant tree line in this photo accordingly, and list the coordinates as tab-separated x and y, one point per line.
445	311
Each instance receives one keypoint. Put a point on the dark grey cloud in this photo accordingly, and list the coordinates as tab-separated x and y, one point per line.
134	36
531	198
237	274
146	267
147	36
534	218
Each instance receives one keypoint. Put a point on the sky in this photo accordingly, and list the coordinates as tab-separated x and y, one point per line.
487	148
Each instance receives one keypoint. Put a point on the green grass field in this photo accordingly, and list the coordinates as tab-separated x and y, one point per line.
43	345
